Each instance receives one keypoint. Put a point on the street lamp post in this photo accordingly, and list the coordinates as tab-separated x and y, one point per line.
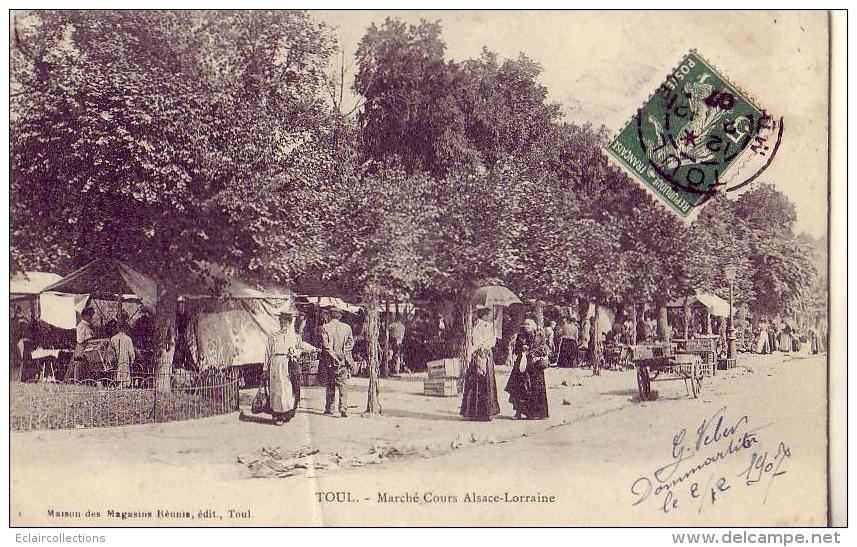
731	272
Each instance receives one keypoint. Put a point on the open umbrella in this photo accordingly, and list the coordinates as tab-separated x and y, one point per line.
494	295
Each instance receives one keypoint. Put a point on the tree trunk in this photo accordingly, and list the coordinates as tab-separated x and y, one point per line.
466	349
385	335
686	320
540	313
664	333
582	309
373	399
633	324
164	337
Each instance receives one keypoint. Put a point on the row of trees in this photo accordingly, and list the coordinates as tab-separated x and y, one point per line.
165	138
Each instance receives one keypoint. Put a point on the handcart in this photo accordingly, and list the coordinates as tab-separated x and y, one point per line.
659	364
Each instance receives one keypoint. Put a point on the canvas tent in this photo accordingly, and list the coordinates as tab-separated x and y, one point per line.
326	301
28	284
228	320
210	280
223	332
24	289
61	310
107	279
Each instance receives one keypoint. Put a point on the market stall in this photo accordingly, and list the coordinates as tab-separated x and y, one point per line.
108	287
224	322
700	336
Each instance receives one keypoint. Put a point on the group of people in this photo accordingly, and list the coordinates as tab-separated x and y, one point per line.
575	344
121	353
571	343
772	336
281	369
526	384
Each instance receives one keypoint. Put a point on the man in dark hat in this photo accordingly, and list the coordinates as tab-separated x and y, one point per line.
337	341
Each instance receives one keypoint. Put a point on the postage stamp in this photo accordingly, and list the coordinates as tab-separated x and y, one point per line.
696	135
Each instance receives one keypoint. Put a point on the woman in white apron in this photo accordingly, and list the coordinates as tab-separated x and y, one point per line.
283	346
762	342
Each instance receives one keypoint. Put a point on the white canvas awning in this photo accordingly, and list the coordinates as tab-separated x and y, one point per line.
60	310
31	283
715	305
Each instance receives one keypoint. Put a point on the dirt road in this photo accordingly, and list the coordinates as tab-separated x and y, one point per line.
420	464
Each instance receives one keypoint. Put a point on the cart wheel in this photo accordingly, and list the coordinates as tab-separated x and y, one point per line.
643	383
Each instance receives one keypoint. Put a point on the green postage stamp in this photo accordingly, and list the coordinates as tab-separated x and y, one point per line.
696	135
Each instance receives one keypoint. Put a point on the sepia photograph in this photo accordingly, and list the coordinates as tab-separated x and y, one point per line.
356	268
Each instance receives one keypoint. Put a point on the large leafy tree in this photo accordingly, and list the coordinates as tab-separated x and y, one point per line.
410	110
167	137
784	271
381	246
719	237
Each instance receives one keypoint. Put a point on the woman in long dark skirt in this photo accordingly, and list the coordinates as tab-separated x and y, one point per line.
568	335
526	385
479	401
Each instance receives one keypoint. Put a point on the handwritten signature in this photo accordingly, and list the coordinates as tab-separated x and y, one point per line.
716	440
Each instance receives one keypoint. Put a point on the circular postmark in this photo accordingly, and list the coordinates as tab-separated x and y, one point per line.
699	163
696	135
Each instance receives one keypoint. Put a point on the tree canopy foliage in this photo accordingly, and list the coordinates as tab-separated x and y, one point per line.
170	137
173	137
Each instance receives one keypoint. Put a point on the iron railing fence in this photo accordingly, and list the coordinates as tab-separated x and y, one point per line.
107	402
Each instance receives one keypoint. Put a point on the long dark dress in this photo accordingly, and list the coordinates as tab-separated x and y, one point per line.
479	400
527	391
568	353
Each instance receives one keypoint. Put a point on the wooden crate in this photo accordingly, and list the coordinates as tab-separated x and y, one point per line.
651	351
684	362
310	379
444	368
309	367
441	387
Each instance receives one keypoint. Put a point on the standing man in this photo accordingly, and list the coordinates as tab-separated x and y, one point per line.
397	340
84	335
123	349
337	342
592	353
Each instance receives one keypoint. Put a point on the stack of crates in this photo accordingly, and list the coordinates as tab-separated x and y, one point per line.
443	377
706	348
309	369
